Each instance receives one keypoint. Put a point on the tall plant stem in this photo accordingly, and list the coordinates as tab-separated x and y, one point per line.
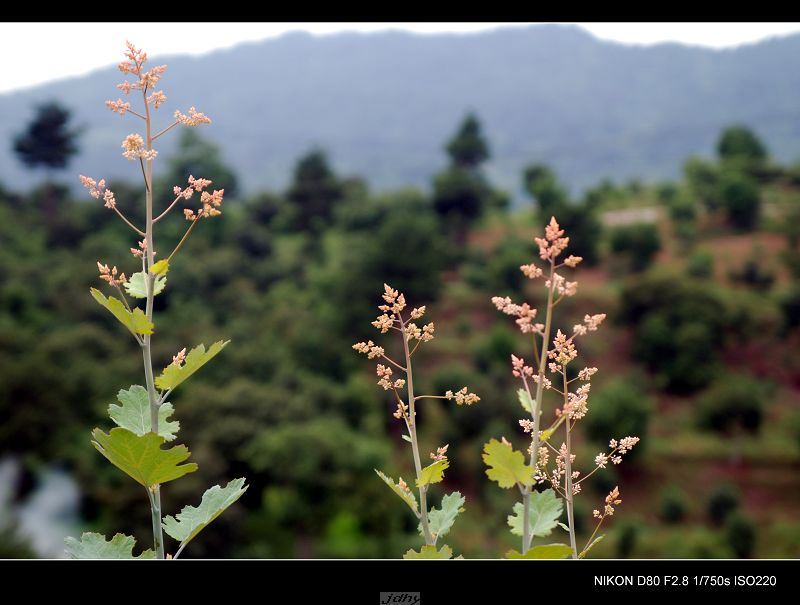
537	411
568	479
155	498
412	425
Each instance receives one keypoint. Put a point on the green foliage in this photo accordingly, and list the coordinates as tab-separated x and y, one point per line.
703	180
740	534
723	500
673	505
314	192
506	466
95	546
160	268
739	143
545	510
468	148
628	534
639	243
47	141
440	520
135	321
142	458
740	197
733	401
700	264
619	409
545	551
137	287
134	413
430	552
173	374
191	520
678	326
591	545
433	473
541	184
406	496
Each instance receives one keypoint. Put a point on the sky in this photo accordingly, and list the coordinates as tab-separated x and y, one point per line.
78	48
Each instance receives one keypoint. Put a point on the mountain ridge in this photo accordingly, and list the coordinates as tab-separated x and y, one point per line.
383	104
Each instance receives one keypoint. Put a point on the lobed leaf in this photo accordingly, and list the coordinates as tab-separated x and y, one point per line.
545	510
406	496
95	546
430	552
506	466
136	322
173	375
134	413
137	288
546	551
141	457
433	473
191	520
441	520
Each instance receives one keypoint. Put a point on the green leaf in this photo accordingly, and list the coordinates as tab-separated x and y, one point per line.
564	527
141	457
136	322
546	551
406	437
95	546
433	473
405	496
430	552
173	375
134	413
160	268
137	288
545	510
441	520
191	520
506	466
525	401
586	550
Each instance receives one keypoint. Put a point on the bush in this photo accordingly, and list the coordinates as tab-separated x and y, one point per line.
700	264
639	243
673	506
740	534
734	401
740	198
628	533
619	409
722	501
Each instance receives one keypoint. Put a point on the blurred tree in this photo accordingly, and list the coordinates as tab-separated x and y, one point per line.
460	192
314	192
740	534
48	140
740	197
579	220
734	402
639	243
723	500
702	177
738	143
540	182
468	149
673	505
701	264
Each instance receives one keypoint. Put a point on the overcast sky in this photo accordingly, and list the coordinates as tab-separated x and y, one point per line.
77	48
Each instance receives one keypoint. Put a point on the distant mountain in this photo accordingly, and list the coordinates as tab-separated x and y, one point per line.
383	104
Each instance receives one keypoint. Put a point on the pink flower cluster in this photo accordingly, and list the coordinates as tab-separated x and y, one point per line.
96	190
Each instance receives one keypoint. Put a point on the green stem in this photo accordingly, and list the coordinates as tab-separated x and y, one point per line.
568	480
412	425
540	389
155	500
